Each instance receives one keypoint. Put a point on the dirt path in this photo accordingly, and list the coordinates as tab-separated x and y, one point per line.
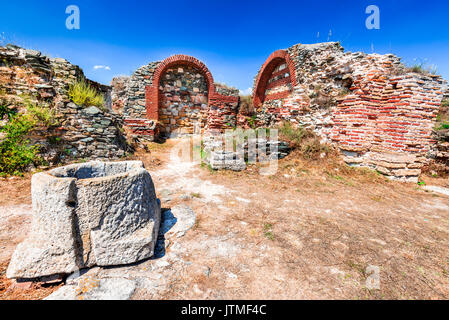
295	235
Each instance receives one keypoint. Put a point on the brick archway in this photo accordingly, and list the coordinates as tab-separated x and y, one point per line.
277	57
152	92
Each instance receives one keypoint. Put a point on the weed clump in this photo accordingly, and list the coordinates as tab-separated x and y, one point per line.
83	94
16	151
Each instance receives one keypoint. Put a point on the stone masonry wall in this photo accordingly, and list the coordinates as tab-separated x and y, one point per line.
91	133
175	94
440	152
129	99
119	89
223	109
134	101
83	132
29	72
440	149
371	107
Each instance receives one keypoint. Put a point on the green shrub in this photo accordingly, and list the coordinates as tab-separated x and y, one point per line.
5	104
16	151
84	94
6	111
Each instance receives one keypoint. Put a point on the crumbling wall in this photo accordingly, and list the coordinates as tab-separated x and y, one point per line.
135	100
378	113
439	153
91	133
176	95
82	131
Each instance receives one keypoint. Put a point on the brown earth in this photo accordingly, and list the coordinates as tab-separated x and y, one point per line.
308	232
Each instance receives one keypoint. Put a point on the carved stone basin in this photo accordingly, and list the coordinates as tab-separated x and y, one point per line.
95	213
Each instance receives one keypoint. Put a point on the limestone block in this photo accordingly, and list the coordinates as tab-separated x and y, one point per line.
95	213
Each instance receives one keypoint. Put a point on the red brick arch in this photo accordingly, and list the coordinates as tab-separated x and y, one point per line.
152	92
265	72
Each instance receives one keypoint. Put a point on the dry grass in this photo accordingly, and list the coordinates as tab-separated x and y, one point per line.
366	225
304	140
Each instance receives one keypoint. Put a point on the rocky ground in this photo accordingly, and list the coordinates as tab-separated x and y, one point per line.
309	232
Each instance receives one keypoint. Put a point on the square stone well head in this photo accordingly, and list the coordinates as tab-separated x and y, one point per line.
87	214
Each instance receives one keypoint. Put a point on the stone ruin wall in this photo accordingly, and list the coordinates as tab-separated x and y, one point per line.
378	113
183	100
177	95
370	106
82	132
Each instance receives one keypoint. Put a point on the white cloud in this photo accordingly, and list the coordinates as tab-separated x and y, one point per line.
102	67
246	92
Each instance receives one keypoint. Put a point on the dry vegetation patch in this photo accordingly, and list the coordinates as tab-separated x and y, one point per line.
308	232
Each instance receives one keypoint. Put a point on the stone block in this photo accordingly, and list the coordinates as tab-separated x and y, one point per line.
88	214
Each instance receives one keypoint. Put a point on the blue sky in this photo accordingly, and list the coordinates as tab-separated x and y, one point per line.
233	38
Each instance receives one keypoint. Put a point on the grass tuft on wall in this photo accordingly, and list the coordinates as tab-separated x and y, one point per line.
83	94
